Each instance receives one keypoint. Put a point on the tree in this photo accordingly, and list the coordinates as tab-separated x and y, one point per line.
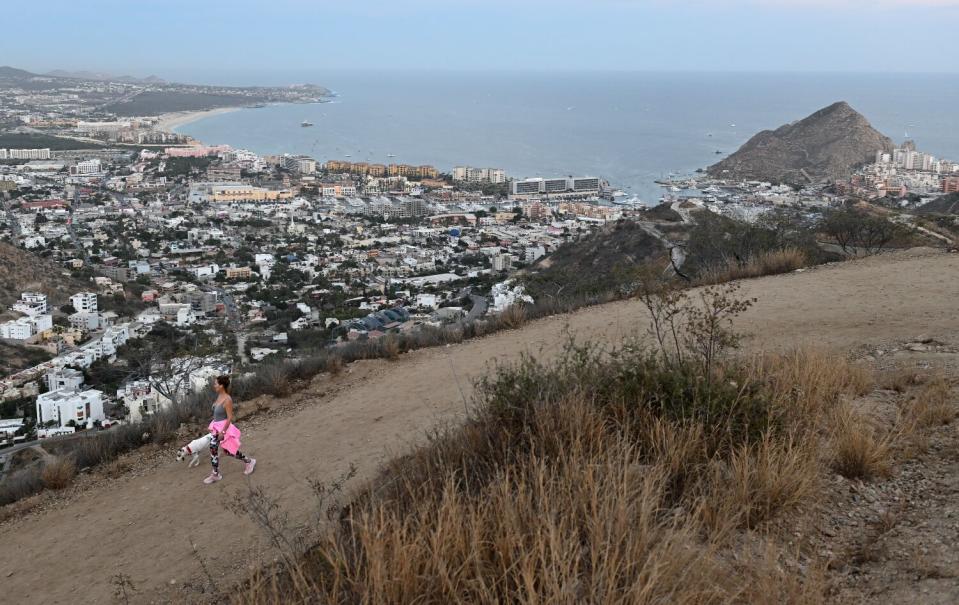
860	232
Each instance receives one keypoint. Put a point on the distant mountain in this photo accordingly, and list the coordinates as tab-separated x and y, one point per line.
105	77
12	72
827	145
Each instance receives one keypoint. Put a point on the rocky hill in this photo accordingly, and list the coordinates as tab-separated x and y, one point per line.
21	270
827	145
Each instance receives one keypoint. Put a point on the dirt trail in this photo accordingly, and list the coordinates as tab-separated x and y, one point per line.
143	524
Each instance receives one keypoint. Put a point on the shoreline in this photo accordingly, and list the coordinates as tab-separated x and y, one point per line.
169	122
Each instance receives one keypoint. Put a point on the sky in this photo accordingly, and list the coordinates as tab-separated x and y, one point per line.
236	40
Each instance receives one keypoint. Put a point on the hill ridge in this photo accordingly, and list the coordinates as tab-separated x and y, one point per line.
826	145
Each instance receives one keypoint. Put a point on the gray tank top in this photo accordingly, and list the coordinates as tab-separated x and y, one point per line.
219	412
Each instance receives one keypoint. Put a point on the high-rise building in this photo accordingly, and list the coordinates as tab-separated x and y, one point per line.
24	154
479	175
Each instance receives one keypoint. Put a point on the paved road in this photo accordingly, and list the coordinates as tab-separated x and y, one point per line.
480	304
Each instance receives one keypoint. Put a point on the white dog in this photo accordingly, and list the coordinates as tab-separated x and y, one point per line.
194	448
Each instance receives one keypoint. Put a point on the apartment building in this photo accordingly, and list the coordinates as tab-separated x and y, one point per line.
25	154
470	174
84	302
26	328
31	303
555	187
87	167
62	407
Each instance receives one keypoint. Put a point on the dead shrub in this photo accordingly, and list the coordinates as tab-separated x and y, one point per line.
58	473
20	484
770	262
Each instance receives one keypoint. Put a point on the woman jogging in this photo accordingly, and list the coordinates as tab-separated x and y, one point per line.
224	432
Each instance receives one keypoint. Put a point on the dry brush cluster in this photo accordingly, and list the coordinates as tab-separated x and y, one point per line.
620	475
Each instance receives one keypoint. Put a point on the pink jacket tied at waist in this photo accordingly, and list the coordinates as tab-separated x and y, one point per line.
231	442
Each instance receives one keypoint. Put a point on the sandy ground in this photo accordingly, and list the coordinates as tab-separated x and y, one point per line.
144	523
169	122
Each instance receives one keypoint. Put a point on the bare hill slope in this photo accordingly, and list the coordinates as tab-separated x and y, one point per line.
826	145
22	271
144	522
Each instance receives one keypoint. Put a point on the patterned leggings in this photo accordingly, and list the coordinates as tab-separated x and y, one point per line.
215	454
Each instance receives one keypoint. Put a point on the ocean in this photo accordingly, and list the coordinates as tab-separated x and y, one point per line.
629	128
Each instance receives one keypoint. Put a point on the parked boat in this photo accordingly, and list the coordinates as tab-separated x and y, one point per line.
306	123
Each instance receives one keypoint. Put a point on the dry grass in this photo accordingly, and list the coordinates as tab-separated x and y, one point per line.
860	451
117	468
902	379
600	478
932	405
390	347
771	262
807	383
58	473
758	482
512	317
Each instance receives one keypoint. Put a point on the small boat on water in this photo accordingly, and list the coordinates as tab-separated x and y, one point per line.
306	123
391	155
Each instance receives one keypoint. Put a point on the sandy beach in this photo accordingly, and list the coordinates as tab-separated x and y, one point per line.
169	122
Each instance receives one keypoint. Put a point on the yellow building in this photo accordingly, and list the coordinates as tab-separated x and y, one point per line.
247	193
237	272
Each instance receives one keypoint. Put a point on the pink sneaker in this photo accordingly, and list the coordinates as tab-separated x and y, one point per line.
213	478
250	466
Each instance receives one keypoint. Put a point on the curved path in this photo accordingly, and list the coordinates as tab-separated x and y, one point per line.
144	523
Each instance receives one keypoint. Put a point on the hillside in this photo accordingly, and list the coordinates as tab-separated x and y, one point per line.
22	271
827	145
359	418
946	204
594	265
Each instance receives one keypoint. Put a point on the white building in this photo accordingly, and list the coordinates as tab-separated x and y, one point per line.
85	302
479	175
102	127
502	262
534	252
142	399
31	303
556	187
16	329
205	271
24	154
83	408
85	322
86	167
25	328
64	379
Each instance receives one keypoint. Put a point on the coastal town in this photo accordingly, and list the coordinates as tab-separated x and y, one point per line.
252	258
